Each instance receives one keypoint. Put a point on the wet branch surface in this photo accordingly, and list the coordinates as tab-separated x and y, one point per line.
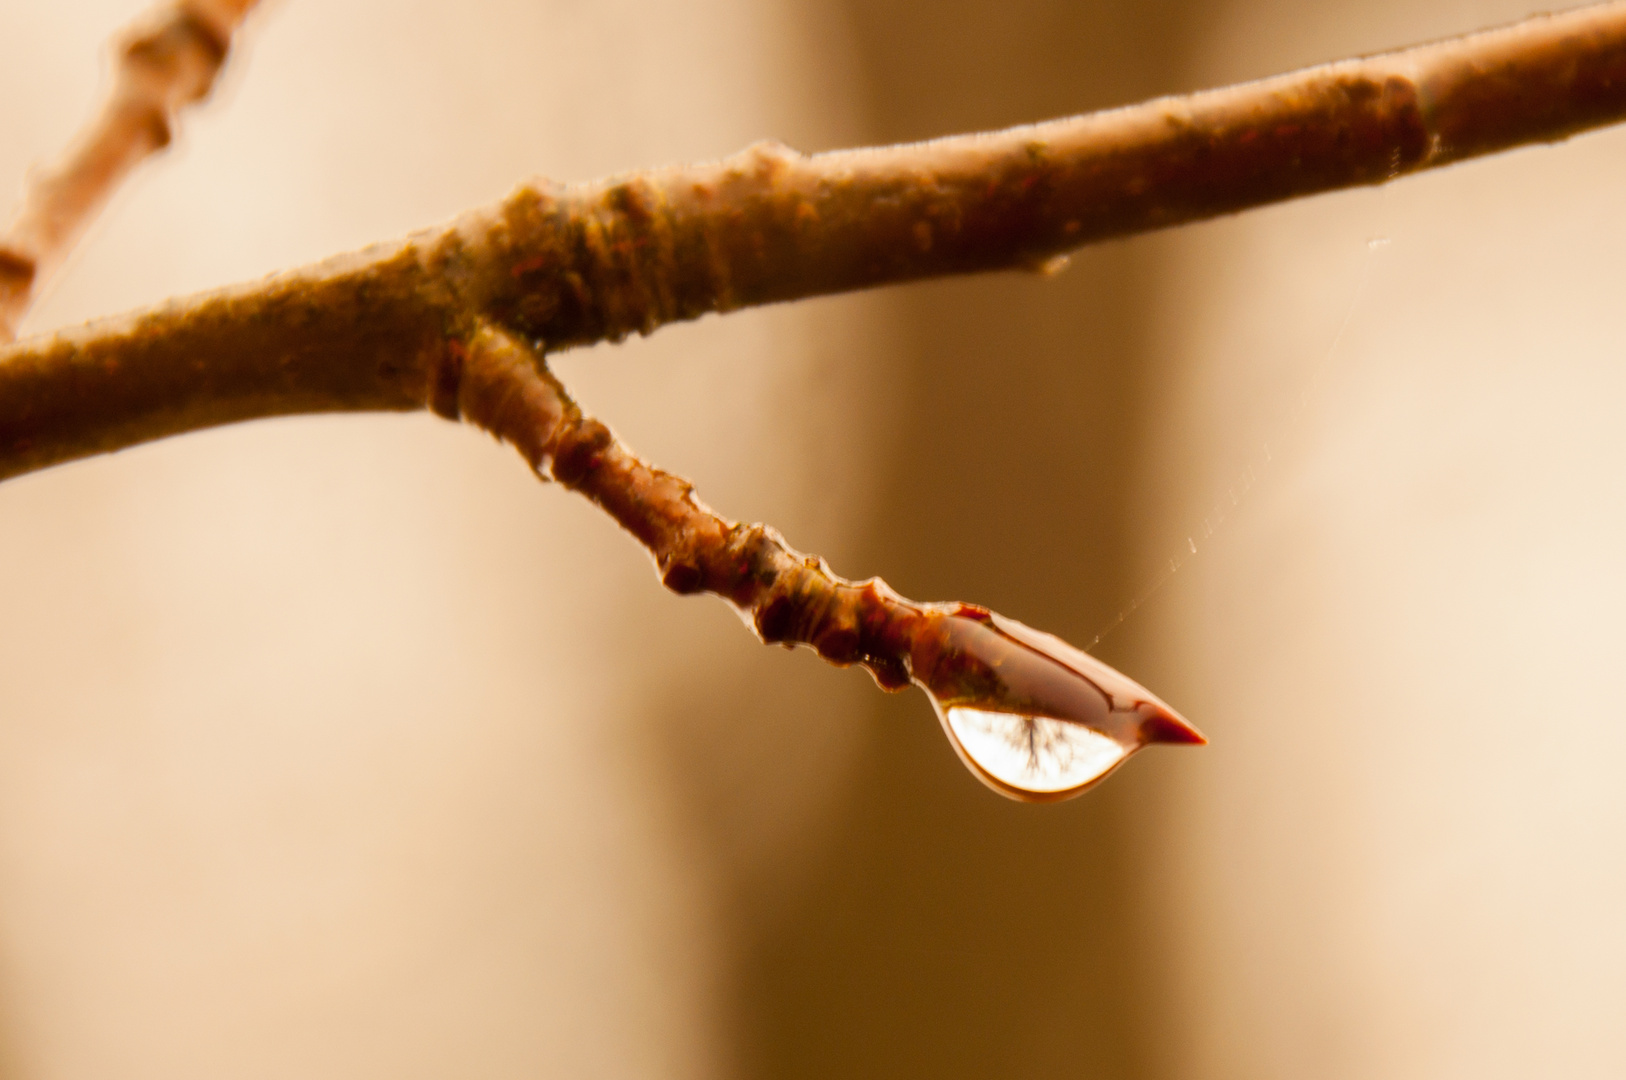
458	319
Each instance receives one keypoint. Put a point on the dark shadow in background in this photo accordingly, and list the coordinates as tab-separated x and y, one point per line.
947	932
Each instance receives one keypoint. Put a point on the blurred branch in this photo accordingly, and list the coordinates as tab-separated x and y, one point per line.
168	59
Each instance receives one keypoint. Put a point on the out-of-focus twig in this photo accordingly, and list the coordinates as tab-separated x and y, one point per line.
167	60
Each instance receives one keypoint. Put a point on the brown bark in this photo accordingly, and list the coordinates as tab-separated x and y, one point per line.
457	320
568	266
962	655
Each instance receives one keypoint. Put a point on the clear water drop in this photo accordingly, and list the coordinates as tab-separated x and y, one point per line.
1033	757
1033	717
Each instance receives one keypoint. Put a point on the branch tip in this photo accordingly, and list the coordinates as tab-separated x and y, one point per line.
965	657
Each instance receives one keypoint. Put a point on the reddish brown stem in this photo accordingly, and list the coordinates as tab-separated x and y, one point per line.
168	60
566	266
962	655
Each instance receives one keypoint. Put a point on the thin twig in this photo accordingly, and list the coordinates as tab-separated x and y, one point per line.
168	59
962	655
560	267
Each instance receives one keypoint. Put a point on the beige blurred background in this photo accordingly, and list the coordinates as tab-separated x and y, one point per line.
339	747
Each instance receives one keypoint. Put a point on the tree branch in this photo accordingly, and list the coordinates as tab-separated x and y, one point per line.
567	266
965	657
456	320
169	59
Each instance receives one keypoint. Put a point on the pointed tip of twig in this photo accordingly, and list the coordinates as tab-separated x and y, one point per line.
1160	723
1164	725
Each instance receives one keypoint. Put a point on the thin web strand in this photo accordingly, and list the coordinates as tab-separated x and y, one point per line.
1261	465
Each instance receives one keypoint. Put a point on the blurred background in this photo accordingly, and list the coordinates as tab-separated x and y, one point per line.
339	747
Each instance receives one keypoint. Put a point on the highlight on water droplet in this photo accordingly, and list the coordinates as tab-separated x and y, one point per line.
1034	755
1033	717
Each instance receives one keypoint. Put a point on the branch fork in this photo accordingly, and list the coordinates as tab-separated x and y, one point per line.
456	319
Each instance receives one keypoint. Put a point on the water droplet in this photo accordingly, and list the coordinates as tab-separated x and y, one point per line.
1033	755
1032	716
1192	544
1377	242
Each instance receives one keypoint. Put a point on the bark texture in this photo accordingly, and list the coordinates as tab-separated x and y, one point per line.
565	266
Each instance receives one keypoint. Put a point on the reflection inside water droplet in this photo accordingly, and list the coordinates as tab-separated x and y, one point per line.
1031	755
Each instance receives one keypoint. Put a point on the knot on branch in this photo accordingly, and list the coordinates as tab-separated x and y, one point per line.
496	381
175	60
600	261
